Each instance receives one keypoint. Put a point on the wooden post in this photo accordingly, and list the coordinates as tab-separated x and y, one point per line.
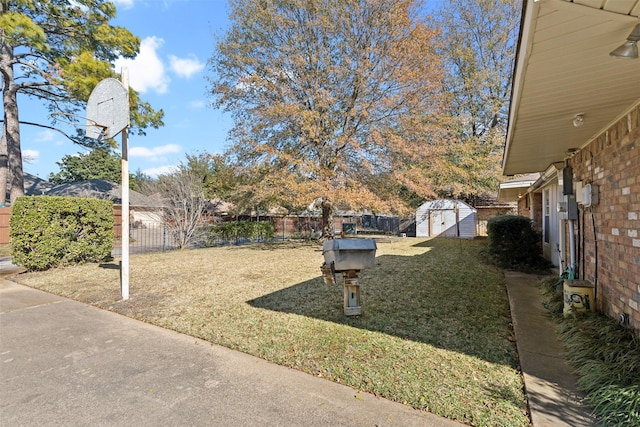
124	266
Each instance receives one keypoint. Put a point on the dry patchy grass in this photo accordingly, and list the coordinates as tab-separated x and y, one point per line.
434	333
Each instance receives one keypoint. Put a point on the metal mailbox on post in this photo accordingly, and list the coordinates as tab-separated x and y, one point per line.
348	256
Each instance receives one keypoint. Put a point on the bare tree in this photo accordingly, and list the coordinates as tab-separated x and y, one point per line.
182	195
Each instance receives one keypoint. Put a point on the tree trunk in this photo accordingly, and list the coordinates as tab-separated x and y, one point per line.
4	167
11	125
6	70
327	219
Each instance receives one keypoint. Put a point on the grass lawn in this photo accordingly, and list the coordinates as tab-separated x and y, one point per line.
5	251
434	332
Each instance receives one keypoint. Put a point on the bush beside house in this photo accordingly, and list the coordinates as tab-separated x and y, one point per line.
513	243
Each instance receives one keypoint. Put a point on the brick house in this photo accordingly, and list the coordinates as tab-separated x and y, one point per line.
575	118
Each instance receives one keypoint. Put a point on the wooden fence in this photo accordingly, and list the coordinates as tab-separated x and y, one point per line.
5	216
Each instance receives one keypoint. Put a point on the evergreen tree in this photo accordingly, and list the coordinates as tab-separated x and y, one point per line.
96	164
57	51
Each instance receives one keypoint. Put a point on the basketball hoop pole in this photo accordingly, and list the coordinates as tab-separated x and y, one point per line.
108	114
124	266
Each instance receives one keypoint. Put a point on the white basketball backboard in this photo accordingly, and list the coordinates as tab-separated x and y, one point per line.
107	109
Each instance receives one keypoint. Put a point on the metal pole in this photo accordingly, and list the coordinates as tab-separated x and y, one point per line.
124	267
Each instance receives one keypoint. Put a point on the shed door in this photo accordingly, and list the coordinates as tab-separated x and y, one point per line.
443	223
422	223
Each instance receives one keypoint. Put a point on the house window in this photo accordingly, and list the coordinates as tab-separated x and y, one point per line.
547	213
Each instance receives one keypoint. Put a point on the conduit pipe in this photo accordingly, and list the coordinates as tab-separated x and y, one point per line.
572	249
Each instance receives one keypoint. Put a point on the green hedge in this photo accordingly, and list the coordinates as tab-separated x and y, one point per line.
249	230
513	243
48	232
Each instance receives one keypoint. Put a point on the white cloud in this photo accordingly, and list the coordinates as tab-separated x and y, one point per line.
197	105
162	170
45	136
49	136
30	156
155	152
146	71
125	4
185	67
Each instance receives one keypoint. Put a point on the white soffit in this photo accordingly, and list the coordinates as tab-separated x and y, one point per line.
563	69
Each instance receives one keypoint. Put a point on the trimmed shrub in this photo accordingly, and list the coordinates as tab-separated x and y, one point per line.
241	230
48	232
513	243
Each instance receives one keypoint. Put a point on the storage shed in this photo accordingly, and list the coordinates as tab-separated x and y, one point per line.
446	218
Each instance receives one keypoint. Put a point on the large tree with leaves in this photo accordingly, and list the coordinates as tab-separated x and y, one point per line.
478	44
100	163
220	179
57	51
333	100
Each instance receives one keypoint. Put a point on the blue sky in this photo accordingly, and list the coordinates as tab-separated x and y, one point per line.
177	39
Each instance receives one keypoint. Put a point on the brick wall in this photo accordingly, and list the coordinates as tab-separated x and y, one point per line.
530	205
536	205
524	209
485	213
609	233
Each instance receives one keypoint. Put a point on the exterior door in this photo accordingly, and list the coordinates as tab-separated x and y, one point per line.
550	222
422	223
443	223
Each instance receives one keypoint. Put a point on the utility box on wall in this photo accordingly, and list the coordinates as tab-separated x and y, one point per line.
567	181
590	195
572	207
568	209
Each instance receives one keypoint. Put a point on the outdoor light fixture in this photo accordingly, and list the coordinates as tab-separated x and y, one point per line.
630	48
578	120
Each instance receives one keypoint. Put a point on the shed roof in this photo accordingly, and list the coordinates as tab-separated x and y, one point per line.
445	204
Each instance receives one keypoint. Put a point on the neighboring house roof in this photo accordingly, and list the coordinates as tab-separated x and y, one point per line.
101	189
34	186
563	68
511	190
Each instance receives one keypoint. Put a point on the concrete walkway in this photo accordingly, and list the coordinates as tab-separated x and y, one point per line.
66	363
550	384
